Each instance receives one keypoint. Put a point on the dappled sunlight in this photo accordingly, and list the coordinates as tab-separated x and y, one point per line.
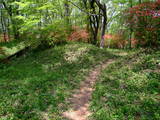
79	59
10	51
48	67
125	89
80	99
138	80
120	52
72	56
40	81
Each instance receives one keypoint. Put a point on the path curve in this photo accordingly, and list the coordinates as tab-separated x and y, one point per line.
81	98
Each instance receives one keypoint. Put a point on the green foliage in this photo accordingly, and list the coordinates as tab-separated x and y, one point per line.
47	36
34	21
36	85
55	33
144	20
129	89
11	48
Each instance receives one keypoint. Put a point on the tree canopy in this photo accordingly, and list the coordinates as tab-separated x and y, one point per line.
36	21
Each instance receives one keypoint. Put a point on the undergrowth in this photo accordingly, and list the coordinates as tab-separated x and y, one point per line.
35	85
129	89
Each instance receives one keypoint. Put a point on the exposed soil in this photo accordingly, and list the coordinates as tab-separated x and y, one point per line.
81	97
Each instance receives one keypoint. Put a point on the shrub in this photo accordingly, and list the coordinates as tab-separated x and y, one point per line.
114	41
78	35
55	34
47	36
144	19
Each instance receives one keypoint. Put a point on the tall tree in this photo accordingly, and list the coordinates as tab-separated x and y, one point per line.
102	7
131	27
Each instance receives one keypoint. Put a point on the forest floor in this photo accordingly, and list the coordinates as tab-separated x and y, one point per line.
129	89
35	85
81	97
38	85
10	48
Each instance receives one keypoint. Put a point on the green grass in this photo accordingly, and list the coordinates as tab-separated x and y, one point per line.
9	44
129	89
10	48
35	85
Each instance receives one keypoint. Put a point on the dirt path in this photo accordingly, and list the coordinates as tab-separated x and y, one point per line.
80	99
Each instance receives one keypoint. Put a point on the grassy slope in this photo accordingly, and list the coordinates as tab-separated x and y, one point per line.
34	86
129	89
10	48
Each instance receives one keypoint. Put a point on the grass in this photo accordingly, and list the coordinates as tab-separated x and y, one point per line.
129	89
9	44
10	48
35	85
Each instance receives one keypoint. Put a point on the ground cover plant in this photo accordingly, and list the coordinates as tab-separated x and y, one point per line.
53	53
129	89
35	84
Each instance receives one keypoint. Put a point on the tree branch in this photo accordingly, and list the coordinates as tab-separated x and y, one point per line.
84	10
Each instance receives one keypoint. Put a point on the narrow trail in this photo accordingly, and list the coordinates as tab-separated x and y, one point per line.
81	97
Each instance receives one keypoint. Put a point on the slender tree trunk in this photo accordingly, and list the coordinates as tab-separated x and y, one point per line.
67	11
131	28
94	22
3	27
8	30
13	22
104	24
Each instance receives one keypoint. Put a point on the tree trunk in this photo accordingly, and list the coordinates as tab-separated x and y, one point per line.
13	22
104	24
140	1
131	28
3	27
67	12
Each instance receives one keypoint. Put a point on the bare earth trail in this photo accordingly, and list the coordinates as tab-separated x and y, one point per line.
81	97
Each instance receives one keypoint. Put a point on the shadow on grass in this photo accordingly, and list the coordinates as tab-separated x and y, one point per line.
125	91
36	85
